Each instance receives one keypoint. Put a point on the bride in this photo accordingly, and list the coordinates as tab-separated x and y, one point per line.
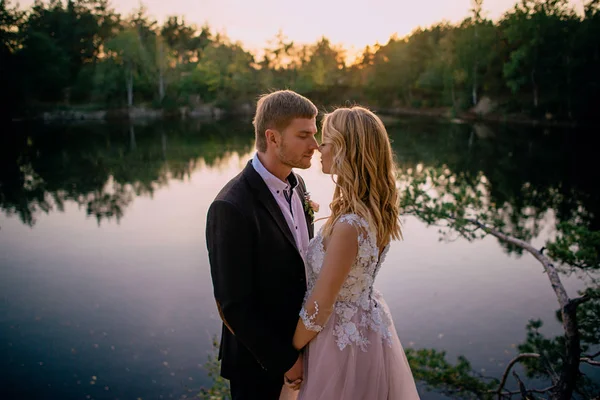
351	348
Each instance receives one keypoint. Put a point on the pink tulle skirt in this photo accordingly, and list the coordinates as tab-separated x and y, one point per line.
380	373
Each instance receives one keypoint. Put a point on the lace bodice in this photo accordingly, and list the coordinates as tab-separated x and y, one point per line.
356	307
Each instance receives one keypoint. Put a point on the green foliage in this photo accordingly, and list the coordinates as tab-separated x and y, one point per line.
550	350
540	58
576	245
227	73
458	380
219	389
462	204
12	95
10	17
108	83
534	31
128	53
588	317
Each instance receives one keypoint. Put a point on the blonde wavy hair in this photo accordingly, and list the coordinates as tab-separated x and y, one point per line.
364	172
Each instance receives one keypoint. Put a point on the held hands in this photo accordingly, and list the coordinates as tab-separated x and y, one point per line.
293	378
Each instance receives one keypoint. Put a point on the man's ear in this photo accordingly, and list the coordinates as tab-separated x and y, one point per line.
273	136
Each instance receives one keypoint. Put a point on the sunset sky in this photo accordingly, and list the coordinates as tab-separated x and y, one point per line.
351	23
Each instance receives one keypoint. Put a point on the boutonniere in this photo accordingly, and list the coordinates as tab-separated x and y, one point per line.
310	207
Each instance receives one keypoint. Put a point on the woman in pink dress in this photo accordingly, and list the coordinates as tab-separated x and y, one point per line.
352	350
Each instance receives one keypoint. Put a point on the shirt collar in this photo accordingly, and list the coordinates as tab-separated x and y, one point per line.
271	180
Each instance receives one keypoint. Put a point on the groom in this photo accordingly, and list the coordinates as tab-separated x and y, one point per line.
257	233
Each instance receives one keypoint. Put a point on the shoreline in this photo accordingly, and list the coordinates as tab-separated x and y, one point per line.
212	112
472	117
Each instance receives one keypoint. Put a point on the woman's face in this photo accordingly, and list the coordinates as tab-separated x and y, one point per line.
326	154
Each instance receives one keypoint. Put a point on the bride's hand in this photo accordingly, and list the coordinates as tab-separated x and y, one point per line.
293	385
293	378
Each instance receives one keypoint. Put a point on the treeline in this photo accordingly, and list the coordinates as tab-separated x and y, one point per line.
541	59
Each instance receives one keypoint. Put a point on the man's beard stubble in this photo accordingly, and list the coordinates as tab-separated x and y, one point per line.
290	162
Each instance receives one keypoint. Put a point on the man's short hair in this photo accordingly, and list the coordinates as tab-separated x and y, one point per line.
277	110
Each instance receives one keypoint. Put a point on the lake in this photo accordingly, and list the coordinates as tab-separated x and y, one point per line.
105	288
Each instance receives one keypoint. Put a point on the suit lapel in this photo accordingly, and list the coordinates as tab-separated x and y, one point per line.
266	198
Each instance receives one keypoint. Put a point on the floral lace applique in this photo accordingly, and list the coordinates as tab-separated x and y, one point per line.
357	293
309	319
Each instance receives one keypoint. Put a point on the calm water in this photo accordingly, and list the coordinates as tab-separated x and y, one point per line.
105	289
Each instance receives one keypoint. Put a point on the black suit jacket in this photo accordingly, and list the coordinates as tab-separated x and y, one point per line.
258	277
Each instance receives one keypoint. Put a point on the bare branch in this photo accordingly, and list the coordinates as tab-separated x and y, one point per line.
509	367
522	387
594	280
591	356
590	361
540	391
580	300
482	376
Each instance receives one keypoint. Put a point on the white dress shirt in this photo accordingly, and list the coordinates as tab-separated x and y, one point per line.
295	218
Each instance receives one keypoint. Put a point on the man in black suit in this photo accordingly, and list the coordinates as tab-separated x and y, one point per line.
257	234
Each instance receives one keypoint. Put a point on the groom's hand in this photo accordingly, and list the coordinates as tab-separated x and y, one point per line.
293	378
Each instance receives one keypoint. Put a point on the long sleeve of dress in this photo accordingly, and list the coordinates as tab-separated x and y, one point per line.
342	249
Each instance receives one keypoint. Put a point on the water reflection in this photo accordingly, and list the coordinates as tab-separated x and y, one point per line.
527	171
142	277
102	168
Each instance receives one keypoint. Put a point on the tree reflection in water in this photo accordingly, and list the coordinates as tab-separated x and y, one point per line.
104	167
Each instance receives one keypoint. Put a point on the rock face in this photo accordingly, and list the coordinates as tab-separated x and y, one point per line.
205	111
135	113
101	115
485	106
196	110
71	115
144	113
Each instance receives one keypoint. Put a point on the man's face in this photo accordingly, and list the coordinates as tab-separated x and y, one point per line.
297	143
